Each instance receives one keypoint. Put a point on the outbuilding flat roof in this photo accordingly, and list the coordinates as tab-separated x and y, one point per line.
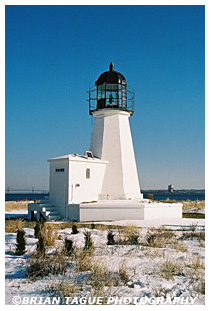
77	157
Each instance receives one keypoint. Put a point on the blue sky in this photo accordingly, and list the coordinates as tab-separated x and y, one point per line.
52	55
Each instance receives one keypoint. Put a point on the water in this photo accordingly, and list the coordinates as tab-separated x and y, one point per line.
176	195
25	196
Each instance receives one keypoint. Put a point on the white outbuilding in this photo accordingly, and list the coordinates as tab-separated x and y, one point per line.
75	179
103	183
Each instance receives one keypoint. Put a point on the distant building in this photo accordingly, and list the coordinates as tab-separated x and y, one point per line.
170	188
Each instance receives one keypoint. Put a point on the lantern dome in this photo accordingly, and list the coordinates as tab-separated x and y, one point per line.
111	76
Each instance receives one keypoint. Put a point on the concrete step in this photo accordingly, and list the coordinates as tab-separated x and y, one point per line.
53	212
50	213
45	205
46	208
44	201
54	217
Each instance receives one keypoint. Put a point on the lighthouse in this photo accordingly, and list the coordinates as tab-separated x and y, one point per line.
102	184
111	103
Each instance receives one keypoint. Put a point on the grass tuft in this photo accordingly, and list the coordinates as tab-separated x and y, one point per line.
169	269
123	273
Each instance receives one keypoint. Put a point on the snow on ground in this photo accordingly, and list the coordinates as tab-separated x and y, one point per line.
143	264
169	223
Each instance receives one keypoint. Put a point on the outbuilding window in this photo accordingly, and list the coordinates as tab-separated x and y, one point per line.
59	170
87	173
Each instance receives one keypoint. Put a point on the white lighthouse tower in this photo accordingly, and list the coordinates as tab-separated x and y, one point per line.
111	103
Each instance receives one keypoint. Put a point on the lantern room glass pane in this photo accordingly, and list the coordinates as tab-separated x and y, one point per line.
101	91
111	94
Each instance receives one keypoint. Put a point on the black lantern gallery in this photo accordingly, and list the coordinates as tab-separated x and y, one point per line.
111	91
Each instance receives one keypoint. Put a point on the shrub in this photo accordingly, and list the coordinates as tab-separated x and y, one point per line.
41	245
21	242
88	241
92	226
110	238
74	229
37	228
68	245
133	240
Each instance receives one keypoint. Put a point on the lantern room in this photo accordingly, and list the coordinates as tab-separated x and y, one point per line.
111	92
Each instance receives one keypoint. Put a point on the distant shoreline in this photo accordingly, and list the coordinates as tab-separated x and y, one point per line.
178	195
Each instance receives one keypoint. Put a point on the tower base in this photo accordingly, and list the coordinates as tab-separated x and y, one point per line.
127	210
126	196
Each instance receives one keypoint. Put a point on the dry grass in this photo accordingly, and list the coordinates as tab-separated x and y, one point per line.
65	288
169	269
200	235
196	274
100	277
159	291
158	237
178	246
100	286
196	205
131	235
15	205
167	200
40	266
162	237
49	234
201	287
83	259
12	225
151	253
123	273
193	215
65	225
195	264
